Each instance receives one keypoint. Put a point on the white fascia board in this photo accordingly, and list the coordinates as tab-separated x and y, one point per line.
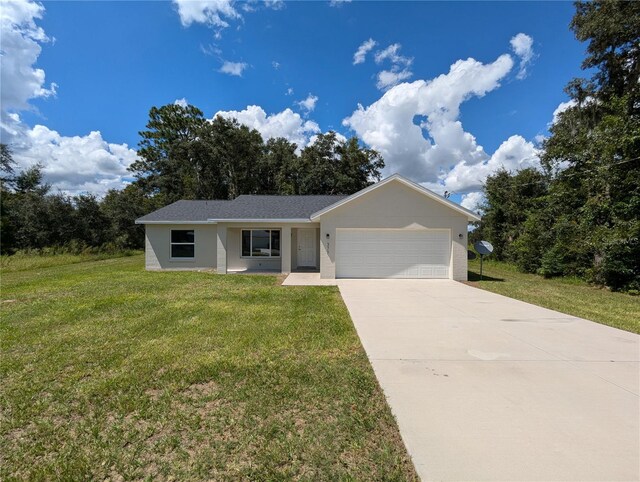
247	220
174	222
471	216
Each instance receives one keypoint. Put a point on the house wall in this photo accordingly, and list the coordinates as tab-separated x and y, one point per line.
158	247
235	261
394	205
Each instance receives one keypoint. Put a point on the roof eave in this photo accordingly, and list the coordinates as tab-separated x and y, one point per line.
142	221
261	220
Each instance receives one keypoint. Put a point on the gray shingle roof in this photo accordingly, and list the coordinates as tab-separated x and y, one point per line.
242	207
186	211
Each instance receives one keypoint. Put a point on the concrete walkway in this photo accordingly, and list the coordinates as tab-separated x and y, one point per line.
485	387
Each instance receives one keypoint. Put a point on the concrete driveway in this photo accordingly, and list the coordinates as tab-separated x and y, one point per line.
485	387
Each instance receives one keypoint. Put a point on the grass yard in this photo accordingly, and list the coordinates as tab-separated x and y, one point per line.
567	295
111	372
25	262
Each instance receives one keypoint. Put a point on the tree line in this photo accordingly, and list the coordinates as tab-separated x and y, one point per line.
580	215
181	155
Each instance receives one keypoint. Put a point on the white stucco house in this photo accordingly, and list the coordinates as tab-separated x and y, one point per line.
392	229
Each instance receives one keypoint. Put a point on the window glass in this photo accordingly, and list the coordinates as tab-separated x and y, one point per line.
275	243
182	250
259	242
246	243
182	236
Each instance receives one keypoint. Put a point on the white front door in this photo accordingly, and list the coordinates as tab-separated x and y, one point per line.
307	248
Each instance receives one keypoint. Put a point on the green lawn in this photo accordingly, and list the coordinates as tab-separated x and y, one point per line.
111	372
25	262
567	295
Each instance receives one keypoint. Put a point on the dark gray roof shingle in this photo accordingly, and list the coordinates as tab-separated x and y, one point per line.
186	211
276	207
242	207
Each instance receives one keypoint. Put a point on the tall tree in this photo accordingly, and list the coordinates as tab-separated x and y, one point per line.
332	166
236	152
166	164
6	162
596	145
586	220
122	208
280	168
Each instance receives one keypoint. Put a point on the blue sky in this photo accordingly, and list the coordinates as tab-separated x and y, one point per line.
112	61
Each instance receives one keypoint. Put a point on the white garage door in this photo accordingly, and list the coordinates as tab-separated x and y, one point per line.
392	253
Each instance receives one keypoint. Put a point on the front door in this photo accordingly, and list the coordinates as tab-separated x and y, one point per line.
307	248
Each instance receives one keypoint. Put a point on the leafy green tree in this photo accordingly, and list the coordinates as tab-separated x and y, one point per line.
6	163
280	168
31	181
236	153
510	200
92	226
332	166
122	208
596	145
585	220
166	164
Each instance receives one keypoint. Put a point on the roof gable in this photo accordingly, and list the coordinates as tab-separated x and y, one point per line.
471	216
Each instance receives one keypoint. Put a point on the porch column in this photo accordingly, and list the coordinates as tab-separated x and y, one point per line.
285	248
221	249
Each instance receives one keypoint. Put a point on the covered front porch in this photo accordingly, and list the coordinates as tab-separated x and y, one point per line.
268	247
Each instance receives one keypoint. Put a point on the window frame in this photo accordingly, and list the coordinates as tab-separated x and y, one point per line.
172	244
250	256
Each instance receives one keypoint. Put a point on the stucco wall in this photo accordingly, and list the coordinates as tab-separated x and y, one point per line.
158	247
234	248
394	205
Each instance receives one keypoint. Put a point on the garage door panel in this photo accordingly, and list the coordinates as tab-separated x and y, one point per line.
377	253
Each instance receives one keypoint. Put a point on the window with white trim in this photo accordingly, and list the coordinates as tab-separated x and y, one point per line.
260	243
183	244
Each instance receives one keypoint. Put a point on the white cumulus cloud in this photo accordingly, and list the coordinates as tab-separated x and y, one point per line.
73	164
395	124
287	124
472	201
392	53
388	78
399	70
70	163
416	127
233	68
522	45
514	154
308	104
181	102
209	12
360	54
21	46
